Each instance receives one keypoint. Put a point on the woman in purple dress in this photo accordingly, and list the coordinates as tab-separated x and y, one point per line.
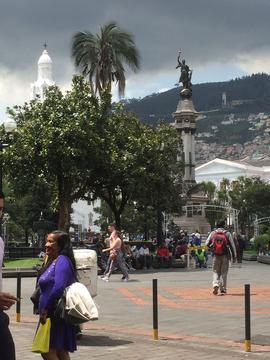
59	272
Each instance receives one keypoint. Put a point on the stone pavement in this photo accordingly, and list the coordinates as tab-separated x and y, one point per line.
111	346
192	322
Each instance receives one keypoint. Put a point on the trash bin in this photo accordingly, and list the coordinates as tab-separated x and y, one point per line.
86	263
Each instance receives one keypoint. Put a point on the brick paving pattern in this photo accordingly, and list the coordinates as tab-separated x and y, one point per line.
193	324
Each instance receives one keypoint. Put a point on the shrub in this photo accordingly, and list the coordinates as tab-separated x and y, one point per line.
262	242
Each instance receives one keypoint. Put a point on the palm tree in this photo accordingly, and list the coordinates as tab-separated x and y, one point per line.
101	57
209	189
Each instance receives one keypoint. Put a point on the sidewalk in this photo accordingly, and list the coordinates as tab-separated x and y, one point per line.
193	324
106	345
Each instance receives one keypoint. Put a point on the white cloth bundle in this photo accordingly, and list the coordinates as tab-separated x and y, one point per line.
79	303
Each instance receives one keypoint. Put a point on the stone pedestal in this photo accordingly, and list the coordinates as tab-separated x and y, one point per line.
185	123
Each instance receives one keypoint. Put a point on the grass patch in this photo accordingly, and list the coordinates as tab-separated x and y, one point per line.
250	252
22	263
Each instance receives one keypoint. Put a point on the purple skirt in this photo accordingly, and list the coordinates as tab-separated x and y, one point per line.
63	336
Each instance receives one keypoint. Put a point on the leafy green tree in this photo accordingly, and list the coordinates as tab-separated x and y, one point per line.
209	189
81	147
262	242
162	186
138	163
25	208
52	144
102	56
135	220
250	195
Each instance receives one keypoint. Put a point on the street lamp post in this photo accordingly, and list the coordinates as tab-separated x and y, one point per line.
9	126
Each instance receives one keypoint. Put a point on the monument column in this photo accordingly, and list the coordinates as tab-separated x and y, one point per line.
185	122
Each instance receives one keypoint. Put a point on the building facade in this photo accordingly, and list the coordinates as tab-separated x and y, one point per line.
218	169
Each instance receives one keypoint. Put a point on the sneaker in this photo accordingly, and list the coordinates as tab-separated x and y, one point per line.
215	290
223	291
105	278
125	279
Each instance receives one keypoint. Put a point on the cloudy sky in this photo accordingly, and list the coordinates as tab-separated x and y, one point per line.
220	40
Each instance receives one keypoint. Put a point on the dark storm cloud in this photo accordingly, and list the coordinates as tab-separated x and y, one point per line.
205	30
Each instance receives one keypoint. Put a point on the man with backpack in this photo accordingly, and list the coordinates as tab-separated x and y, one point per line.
222	246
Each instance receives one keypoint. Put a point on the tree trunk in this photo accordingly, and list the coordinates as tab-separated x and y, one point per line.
159	226
146	232
117	218
64	214
65	202
26	236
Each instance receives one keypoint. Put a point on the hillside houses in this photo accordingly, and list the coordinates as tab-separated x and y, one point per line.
208	148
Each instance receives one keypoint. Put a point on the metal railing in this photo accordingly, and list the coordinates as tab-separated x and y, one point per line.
18	274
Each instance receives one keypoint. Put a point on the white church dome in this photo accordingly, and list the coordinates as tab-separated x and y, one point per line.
44	58
44	79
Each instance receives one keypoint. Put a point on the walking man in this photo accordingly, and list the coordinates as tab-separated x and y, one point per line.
116	257
221	243
7	348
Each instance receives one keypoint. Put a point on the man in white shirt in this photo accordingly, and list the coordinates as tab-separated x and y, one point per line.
7	348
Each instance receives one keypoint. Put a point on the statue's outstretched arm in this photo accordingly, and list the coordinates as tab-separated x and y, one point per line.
178	60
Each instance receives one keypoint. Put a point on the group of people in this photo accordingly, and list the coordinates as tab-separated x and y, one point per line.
114	254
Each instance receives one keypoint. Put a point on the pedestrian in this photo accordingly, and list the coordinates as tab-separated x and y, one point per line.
144	257
221	244
116	257
197	238
58	273
201	258
241	243
163	256
7	348
236	244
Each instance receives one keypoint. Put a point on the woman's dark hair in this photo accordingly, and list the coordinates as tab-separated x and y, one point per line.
64	243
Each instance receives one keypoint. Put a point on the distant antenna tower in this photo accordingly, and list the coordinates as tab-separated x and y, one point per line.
224	100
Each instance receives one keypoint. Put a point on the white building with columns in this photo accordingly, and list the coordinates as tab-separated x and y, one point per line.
218	169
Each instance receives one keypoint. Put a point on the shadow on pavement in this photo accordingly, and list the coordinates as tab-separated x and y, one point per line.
240	294
260	340
101	340
263	340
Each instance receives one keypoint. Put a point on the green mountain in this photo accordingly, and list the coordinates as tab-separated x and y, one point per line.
250	94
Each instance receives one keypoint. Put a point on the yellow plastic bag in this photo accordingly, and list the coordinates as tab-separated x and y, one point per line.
41	343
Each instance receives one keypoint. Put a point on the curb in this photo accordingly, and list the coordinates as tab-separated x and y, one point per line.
265	259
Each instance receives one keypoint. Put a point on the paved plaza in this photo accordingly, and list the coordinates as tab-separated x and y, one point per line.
193	323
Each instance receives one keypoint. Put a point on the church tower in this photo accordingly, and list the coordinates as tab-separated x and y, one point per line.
44	79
